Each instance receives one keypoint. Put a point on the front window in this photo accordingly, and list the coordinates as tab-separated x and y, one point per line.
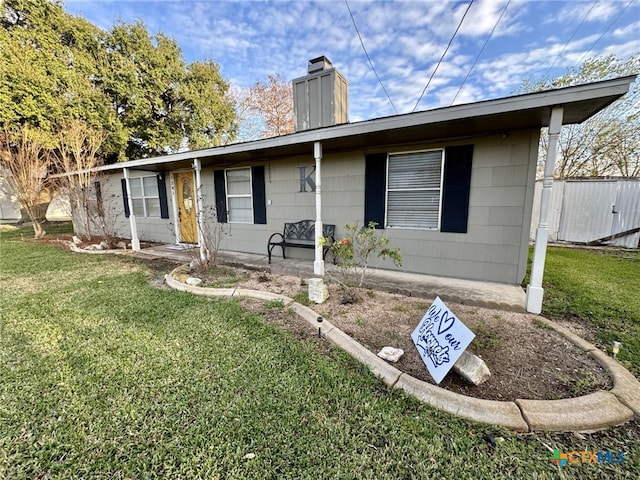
414	186
145	196
239	199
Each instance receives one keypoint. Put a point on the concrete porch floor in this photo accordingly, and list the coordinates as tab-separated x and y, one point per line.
466	292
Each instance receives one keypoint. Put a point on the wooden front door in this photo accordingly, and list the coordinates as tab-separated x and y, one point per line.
186	201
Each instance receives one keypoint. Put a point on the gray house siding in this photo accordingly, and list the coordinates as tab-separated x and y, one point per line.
494	247
152	228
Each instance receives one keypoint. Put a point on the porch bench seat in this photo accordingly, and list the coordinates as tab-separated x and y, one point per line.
301	235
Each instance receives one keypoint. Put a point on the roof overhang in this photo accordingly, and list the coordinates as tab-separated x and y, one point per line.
528	111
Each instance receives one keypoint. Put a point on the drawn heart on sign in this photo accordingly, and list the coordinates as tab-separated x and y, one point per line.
446	322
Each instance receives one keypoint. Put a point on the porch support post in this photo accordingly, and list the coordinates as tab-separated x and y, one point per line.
135	242
202	241
535	291
318	264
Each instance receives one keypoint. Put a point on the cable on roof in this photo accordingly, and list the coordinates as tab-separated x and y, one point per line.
480	53
442	57
367	55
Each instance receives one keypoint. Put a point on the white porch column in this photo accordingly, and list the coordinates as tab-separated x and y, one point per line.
318	264
202	242
135	242
535	291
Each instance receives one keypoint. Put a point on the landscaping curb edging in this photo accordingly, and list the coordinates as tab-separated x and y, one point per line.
595	411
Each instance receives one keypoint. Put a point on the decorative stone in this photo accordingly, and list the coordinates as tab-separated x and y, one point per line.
194	281
121	244
104	245
318	291
472	368
391	354
181	277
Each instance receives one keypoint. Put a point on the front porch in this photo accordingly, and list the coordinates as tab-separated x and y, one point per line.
466	292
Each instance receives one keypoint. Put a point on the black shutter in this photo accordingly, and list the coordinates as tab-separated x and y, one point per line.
221	196
125	197
375	185
457	184
258	193
162	193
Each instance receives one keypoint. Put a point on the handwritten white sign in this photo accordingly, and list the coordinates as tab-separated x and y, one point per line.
440	338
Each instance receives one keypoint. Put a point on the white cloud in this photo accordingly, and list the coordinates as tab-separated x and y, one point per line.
591	11
405	39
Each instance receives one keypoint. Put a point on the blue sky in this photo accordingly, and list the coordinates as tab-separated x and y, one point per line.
495	48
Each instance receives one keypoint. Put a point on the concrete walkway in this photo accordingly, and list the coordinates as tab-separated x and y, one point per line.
465	292
595	411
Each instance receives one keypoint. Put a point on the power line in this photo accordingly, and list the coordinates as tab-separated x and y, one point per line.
603	33
442	57
369	58
569	41
481	50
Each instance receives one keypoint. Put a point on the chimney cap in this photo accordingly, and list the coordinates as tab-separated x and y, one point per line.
319	64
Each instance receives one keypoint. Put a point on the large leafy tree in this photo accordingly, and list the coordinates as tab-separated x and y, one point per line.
208	114
607	144
135	86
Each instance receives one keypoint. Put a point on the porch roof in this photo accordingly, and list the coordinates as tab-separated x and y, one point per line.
521	112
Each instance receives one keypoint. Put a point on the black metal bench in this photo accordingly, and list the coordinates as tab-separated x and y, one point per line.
302	235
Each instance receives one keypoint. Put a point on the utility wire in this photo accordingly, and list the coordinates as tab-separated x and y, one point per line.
442	57
603	33
369	58
569	41
481	50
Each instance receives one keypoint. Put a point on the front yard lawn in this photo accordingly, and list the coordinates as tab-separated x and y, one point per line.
103	375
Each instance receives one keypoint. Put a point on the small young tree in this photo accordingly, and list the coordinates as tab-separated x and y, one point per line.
354	252
24	160
105	213
212	233
77	157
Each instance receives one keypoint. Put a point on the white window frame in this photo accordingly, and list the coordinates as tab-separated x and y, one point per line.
144	197
415	188
238	195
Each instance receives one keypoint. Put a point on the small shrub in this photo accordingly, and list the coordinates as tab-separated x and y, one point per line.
354	252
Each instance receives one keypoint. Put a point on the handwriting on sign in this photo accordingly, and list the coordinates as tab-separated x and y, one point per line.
440	338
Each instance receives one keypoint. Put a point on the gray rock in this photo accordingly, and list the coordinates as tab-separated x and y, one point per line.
472	368
194	281
318	291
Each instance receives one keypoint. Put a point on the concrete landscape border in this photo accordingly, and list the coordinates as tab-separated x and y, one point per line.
595	411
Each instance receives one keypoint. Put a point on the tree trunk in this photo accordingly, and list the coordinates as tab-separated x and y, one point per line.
37	229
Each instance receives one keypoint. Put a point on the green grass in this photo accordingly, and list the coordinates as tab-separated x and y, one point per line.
601	290
103	375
